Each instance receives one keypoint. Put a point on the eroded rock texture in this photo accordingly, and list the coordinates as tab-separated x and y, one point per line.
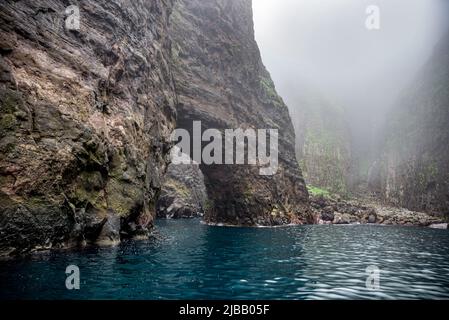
85	120
183	192
416	162
86	117
221	81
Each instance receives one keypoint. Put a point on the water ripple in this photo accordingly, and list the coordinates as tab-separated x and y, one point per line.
190	260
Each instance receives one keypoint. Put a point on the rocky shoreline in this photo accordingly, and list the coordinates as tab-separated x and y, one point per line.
177	203
369	211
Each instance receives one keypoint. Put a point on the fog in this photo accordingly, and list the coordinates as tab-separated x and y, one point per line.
325	45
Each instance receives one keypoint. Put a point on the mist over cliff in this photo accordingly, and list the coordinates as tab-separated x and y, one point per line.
326	46
414	164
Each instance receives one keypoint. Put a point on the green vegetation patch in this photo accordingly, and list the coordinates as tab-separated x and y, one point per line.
180	188
315	191
269	91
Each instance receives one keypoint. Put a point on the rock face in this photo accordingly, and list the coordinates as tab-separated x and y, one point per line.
221	81
183	192
87	114
324	141
85	120
415	168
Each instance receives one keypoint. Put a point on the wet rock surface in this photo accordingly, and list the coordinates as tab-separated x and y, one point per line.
85	121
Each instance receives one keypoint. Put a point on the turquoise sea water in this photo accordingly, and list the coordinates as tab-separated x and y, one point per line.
189	260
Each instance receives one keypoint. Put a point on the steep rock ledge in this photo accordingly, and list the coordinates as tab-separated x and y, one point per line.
221	81
85	121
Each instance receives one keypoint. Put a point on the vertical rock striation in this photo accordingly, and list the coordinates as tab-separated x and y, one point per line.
86	117
415	167
85	120
222	82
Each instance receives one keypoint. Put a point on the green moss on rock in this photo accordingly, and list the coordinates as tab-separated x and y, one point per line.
7	122
315	191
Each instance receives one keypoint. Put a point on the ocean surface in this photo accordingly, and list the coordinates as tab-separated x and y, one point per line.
186	259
